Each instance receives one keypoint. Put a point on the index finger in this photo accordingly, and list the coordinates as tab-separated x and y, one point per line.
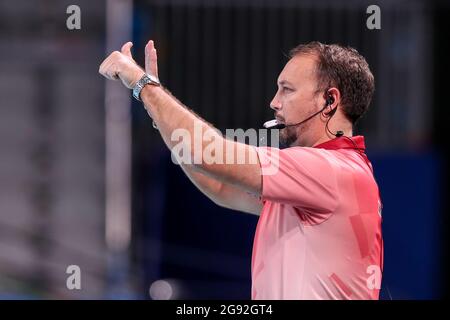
151	59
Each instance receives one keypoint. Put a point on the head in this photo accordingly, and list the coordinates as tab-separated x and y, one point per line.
332	79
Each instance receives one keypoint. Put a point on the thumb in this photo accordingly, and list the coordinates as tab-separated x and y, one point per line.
126	49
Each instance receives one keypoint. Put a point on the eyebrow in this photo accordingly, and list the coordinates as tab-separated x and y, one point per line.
285	82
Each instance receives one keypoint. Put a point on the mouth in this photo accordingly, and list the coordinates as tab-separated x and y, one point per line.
279	119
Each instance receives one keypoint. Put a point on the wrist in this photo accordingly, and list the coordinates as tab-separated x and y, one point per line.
149	95
146	80
148	92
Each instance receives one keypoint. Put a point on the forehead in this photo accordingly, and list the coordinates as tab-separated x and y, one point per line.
299	69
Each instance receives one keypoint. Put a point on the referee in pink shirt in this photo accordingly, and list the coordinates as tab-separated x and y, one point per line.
319	229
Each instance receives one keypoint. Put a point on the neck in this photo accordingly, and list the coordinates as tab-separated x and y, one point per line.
317	132
326	136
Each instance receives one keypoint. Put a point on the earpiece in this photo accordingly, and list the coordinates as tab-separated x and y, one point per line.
330	100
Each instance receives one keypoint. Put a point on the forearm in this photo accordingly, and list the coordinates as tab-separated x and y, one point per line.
210	187
223	194
169	115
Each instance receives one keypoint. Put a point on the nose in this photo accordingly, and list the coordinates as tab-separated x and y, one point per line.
275	104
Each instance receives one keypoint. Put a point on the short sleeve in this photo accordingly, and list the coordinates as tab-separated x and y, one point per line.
302	177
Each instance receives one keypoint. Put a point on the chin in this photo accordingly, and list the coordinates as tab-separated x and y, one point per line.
288	138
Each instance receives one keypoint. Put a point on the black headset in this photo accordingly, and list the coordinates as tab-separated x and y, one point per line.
273	124
329	101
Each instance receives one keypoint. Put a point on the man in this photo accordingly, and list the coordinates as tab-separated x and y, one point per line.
319	230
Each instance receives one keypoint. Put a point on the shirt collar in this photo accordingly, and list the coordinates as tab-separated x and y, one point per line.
344	143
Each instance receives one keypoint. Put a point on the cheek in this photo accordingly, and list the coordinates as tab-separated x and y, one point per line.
292	104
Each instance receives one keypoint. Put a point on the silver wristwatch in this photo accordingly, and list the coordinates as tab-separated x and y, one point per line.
146	79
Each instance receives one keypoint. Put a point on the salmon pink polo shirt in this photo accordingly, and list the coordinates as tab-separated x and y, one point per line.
319	232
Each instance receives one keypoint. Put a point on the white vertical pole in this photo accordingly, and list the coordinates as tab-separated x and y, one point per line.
119	14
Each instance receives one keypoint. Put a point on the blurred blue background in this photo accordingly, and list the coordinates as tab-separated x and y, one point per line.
85	179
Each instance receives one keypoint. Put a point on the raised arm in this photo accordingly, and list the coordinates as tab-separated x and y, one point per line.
233	185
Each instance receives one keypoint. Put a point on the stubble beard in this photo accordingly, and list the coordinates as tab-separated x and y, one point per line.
289	136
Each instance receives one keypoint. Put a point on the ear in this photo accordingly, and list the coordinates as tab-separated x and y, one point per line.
329	111
332	97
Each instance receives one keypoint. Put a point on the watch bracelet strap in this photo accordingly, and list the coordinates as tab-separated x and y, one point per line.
142	82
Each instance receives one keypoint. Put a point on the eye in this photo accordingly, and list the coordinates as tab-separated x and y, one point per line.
286	89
